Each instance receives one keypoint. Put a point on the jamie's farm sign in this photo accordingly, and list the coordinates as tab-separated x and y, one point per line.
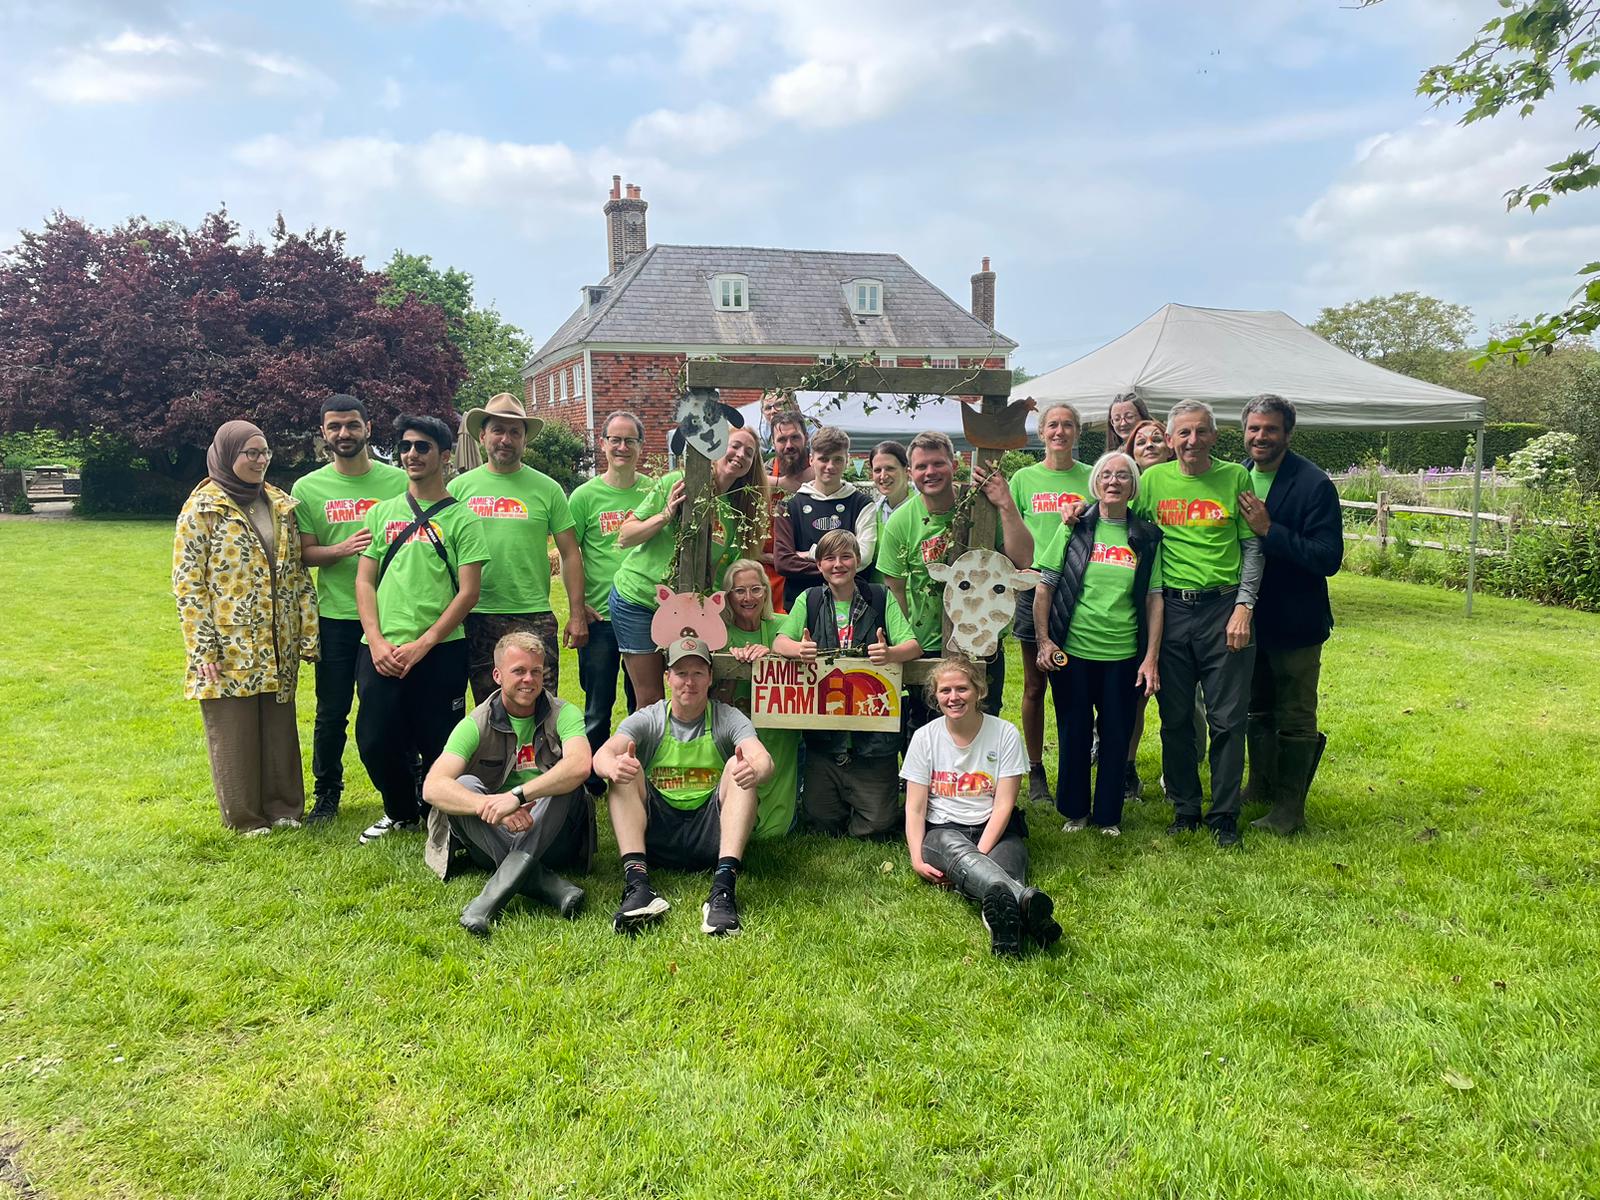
847	693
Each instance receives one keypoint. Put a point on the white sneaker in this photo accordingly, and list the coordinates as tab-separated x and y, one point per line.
262	832
1111	831
286	823
1076	826
380	827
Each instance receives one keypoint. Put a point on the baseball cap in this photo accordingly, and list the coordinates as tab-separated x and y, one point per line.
689	647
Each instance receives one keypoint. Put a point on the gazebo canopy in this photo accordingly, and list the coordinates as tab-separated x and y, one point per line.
1225	356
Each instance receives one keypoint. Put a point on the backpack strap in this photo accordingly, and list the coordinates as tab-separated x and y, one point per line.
422	522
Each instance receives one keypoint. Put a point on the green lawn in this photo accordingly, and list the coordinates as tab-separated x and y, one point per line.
1401	1004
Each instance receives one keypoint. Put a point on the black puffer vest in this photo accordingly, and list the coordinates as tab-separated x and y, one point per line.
1144	539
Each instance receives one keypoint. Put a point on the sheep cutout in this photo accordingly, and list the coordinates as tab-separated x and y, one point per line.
704	422
980	590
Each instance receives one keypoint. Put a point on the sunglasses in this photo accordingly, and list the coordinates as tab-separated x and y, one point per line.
421	446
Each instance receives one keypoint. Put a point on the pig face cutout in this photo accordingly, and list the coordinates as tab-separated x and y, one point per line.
980	590
683	614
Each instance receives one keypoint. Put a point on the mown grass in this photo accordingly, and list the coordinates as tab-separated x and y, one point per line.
185	1013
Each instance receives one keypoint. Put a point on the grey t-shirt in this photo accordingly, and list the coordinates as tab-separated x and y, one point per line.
646	727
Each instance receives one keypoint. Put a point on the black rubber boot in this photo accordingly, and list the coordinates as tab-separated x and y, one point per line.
1261	747
1038	916
505	883
999	896
1297	760
550	889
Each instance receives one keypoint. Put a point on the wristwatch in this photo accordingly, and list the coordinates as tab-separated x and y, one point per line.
517	792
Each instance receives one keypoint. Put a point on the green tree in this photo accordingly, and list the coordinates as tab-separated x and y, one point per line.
1408	332
493	348
1517	60
1538	390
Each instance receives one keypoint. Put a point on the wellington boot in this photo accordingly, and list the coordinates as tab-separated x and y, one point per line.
1038	916
505	883
999	896
1261	745
550	889
1297	761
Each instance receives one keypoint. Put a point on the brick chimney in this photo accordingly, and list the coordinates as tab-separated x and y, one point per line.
983	295
625	233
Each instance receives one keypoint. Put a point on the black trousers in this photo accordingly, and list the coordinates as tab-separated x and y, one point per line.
1194	650
1083	691
598	664
401	720
336	690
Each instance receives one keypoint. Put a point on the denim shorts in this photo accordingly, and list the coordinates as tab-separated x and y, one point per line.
630	623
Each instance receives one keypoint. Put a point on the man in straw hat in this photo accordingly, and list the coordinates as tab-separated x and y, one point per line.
521	509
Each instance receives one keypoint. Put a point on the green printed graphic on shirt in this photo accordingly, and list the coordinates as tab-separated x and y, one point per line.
647	564
333	507
1041	494
464	741
598	510
1261	481
1201	522
417	589
520	511
1105	621
896	626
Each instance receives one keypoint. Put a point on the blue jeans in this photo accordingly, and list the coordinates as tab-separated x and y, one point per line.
598	664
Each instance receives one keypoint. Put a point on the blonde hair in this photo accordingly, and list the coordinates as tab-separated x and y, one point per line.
737	567
519	639
957	664
751	497
1077	417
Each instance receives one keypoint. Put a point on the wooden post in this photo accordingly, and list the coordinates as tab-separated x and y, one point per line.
694	537
1383	520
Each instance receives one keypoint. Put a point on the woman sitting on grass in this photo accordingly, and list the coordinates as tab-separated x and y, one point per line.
850	777
1097	615
752	627
963	771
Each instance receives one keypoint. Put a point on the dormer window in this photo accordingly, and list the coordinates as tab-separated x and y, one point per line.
865	297
730	293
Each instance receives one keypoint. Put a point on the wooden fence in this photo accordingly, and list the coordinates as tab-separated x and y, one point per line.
1383	509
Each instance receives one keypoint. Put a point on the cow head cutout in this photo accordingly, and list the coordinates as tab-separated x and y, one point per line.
980	590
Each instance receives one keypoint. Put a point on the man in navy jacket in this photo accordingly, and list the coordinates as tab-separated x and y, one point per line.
1295	514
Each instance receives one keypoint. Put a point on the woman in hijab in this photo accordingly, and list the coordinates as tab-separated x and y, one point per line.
249	615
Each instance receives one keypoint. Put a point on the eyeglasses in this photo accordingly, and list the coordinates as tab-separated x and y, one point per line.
257	455
421	446
1117	477
620	441
757	590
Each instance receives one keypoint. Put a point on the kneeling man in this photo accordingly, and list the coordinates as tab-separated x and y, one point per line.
683	774
508	790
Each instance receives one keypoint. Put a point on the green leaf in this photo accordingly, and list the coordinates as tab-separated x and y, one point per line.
1461	1083
1537	201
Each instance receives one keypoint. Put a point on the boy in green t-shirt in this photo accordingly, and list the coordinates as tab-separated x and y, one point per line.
416	582
332	515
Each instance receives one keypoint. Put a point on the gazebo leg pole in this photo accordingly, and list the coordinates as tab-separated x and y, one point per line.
1477	497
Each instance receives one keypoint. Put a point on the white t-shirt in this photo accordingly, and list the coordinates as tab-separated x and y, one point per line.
962	781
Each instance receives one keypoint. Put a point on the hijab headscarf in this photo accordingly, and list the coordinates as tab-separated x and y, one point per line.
226	447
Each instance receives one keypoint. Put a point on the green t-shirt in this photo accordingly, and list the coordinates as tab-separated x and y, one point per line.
645	565
1261	481
1200	520
775	799
520	511
464	741
1105	622
598	510
332	507
417	588
912	538
895	623
1040	494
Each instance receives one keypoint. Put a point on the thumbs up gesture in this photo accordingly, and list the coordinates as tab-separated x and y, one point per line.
878	652
627	765
808	648
743	773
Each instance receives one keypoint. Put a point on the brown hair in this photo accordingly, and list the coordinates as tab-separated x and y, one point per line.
830	439
1133	436
836	541
1144	415
933	439
751	497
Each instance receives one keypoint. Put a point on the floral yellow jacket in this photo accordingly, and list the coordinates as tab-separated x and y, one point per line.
230	612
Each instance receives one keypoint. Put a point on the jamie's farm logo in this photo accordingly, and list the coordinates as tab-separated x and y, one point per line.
1191	512
1114	556
505	508
336	512
1053	502
393	529
610	522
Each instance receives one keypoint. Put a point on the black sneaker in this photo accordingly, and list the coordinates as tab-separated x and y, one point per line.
1227	835
1003	919
1183	825
383	827
1132	785
1039	786
641	905
325	809
719	915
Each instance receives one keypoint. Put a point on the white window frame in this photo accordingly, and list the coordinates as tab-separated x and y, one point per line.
735	287
551	379
573	381
888	360
870	305
947	362
561	384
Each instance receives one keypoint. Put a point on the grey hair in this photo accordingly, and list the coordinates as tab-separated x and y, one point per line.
623	414
1104	461
1184	407
1271	402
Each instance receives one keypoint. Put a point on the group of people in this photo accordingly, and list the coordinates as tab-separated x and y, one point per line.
1160	572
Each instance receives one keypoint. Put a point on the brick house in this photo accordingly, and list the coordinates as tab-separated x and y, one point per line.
624	345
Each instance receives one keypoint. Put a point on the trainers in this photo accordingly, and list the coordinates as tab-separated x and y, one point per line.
1112	830
261	832
1132	785
641	905
325	809
286	823
1038	786
1183	825
1227	835
384	826
1003	919
1076	825
719	915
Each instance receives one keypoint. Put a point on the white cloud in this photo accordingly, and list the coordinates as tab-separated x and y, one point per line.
706	130
133	67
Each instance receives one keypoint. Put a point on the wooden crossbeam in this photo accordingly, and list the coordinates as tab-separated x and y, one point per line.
856	377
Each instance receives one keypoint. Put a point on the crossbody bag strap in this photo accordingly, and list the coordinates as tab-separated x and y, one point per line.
422	521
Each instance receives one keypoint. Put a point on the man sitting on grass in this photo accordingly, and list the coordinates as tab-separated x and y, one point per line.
508	790
683	775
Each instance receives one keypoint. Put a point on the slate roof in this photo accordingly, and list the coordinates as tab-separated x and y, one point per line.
796	298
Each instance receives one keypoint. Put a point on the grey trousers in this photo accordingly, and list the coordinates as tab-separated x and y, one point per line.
254	746
859	797
558	836
1194	650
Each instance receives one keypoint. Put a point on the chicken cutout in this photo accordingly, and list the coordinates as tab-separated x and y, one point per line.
1003	430
684	614
980	590
704	422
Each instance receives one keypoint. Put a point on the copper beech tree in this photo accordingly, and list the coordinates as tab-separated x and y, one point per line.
154	334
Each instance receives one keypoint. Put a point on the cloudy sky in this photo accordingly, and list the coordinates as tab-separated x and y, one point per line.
1109	155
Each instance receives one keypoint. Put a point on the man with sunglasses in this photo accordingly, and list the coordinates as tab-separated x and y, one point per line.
416	582
599	507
